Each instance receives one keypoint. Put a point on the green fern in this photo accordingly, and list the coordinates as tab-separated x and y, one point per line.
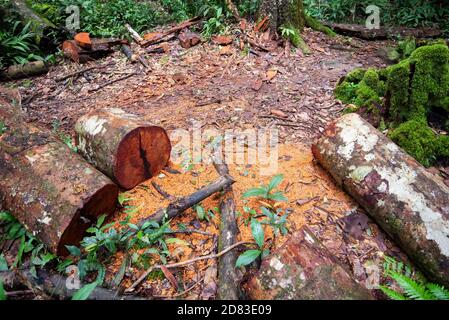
413	285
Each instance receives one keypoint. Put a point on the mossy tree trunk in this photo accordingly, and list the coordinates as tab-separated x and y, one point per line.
284	13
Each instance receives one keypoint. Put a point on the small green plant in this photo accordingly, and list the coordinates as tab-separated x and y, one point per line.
2	292
276	221
64	137
250	255
215	24
413	285
3	128
267	192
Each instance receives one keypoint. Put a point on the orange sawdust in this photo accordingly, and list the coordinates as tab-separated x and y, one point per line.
303	180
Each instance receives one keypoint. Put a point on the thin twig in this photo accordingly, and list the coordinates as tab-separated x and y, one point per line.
112	81
163	193
181	293
184	263
204	233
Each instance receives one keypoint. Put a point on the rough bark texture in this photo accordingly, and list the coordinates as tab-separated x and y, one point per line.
121	146
283	13
47	187
24	70
408	202
228	282
302	269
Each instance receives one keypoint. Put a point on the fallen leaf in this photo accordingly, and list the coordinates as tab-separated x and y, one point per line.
257	84
271	74
169	276
355	224
222	40
226	51
278	113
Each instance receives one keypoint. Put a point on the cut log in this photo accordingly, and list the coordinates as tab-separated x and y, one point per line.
73	51
228	280
188	39
54	192
360	31
124	148
407	201
24	70
302	269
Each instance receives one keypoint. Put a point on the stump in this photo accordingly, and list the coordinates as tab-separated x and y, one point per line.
302	269
124	148
52	191
407	201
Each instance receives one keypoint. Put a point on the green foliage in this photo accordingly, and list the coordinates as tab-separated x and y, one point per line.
267	192
2	292
29	245
216	22
249	256
413	285
17	44
64	137
410	13
418	140
84	292
3	127
276	221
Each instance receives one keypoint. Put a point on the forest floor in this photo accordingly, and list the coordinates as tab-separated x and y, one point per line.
221	88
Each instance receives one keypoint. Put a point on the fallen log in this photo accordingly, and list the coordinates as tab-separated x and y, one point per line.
75	52
302	269
47	187
127	51
24	70
121	146
175	29
228	280
407	201
360	31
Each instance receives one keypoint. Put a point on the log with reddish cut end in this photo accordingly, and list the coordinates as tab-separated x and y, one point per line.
222	40
83	40
303	269
406	200
51	190
126	149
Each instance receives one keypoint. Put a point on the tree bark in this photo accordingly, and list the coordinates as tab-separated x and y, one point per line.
228	282
287	13
47	187
302	269
121	146
407	201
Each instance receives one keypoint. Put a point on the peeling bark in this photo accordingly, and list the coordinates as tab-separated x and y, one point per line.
124	148
52	191
302	269
407	201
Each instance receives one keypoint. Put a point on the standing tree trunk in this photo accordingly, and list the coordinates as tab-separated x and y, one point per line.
286	13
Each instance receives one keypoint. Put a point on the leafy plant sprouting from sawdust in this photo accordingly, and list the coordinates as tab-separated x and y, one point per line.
273	219
267	191
413	286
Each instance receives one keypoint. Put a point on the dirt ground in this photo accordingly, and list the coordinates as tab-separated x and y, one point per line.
225	89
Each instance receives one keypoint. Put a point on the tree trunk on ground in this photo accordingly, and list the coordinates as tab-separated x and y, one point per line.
228	282
407	201
121	146
302	269
287	13
47	187
24	70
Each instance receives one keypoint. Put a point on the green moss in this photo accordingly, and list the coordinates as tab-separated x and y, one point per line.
398	86
318	26
418	140
356	75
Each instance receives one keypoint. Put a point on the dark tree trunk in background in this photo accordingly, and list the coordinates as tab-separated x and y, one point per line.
288	13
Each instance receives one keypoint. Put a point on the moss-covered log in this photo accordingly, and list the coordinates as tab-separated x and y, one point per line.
302	269
407	201
52	191
126	149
